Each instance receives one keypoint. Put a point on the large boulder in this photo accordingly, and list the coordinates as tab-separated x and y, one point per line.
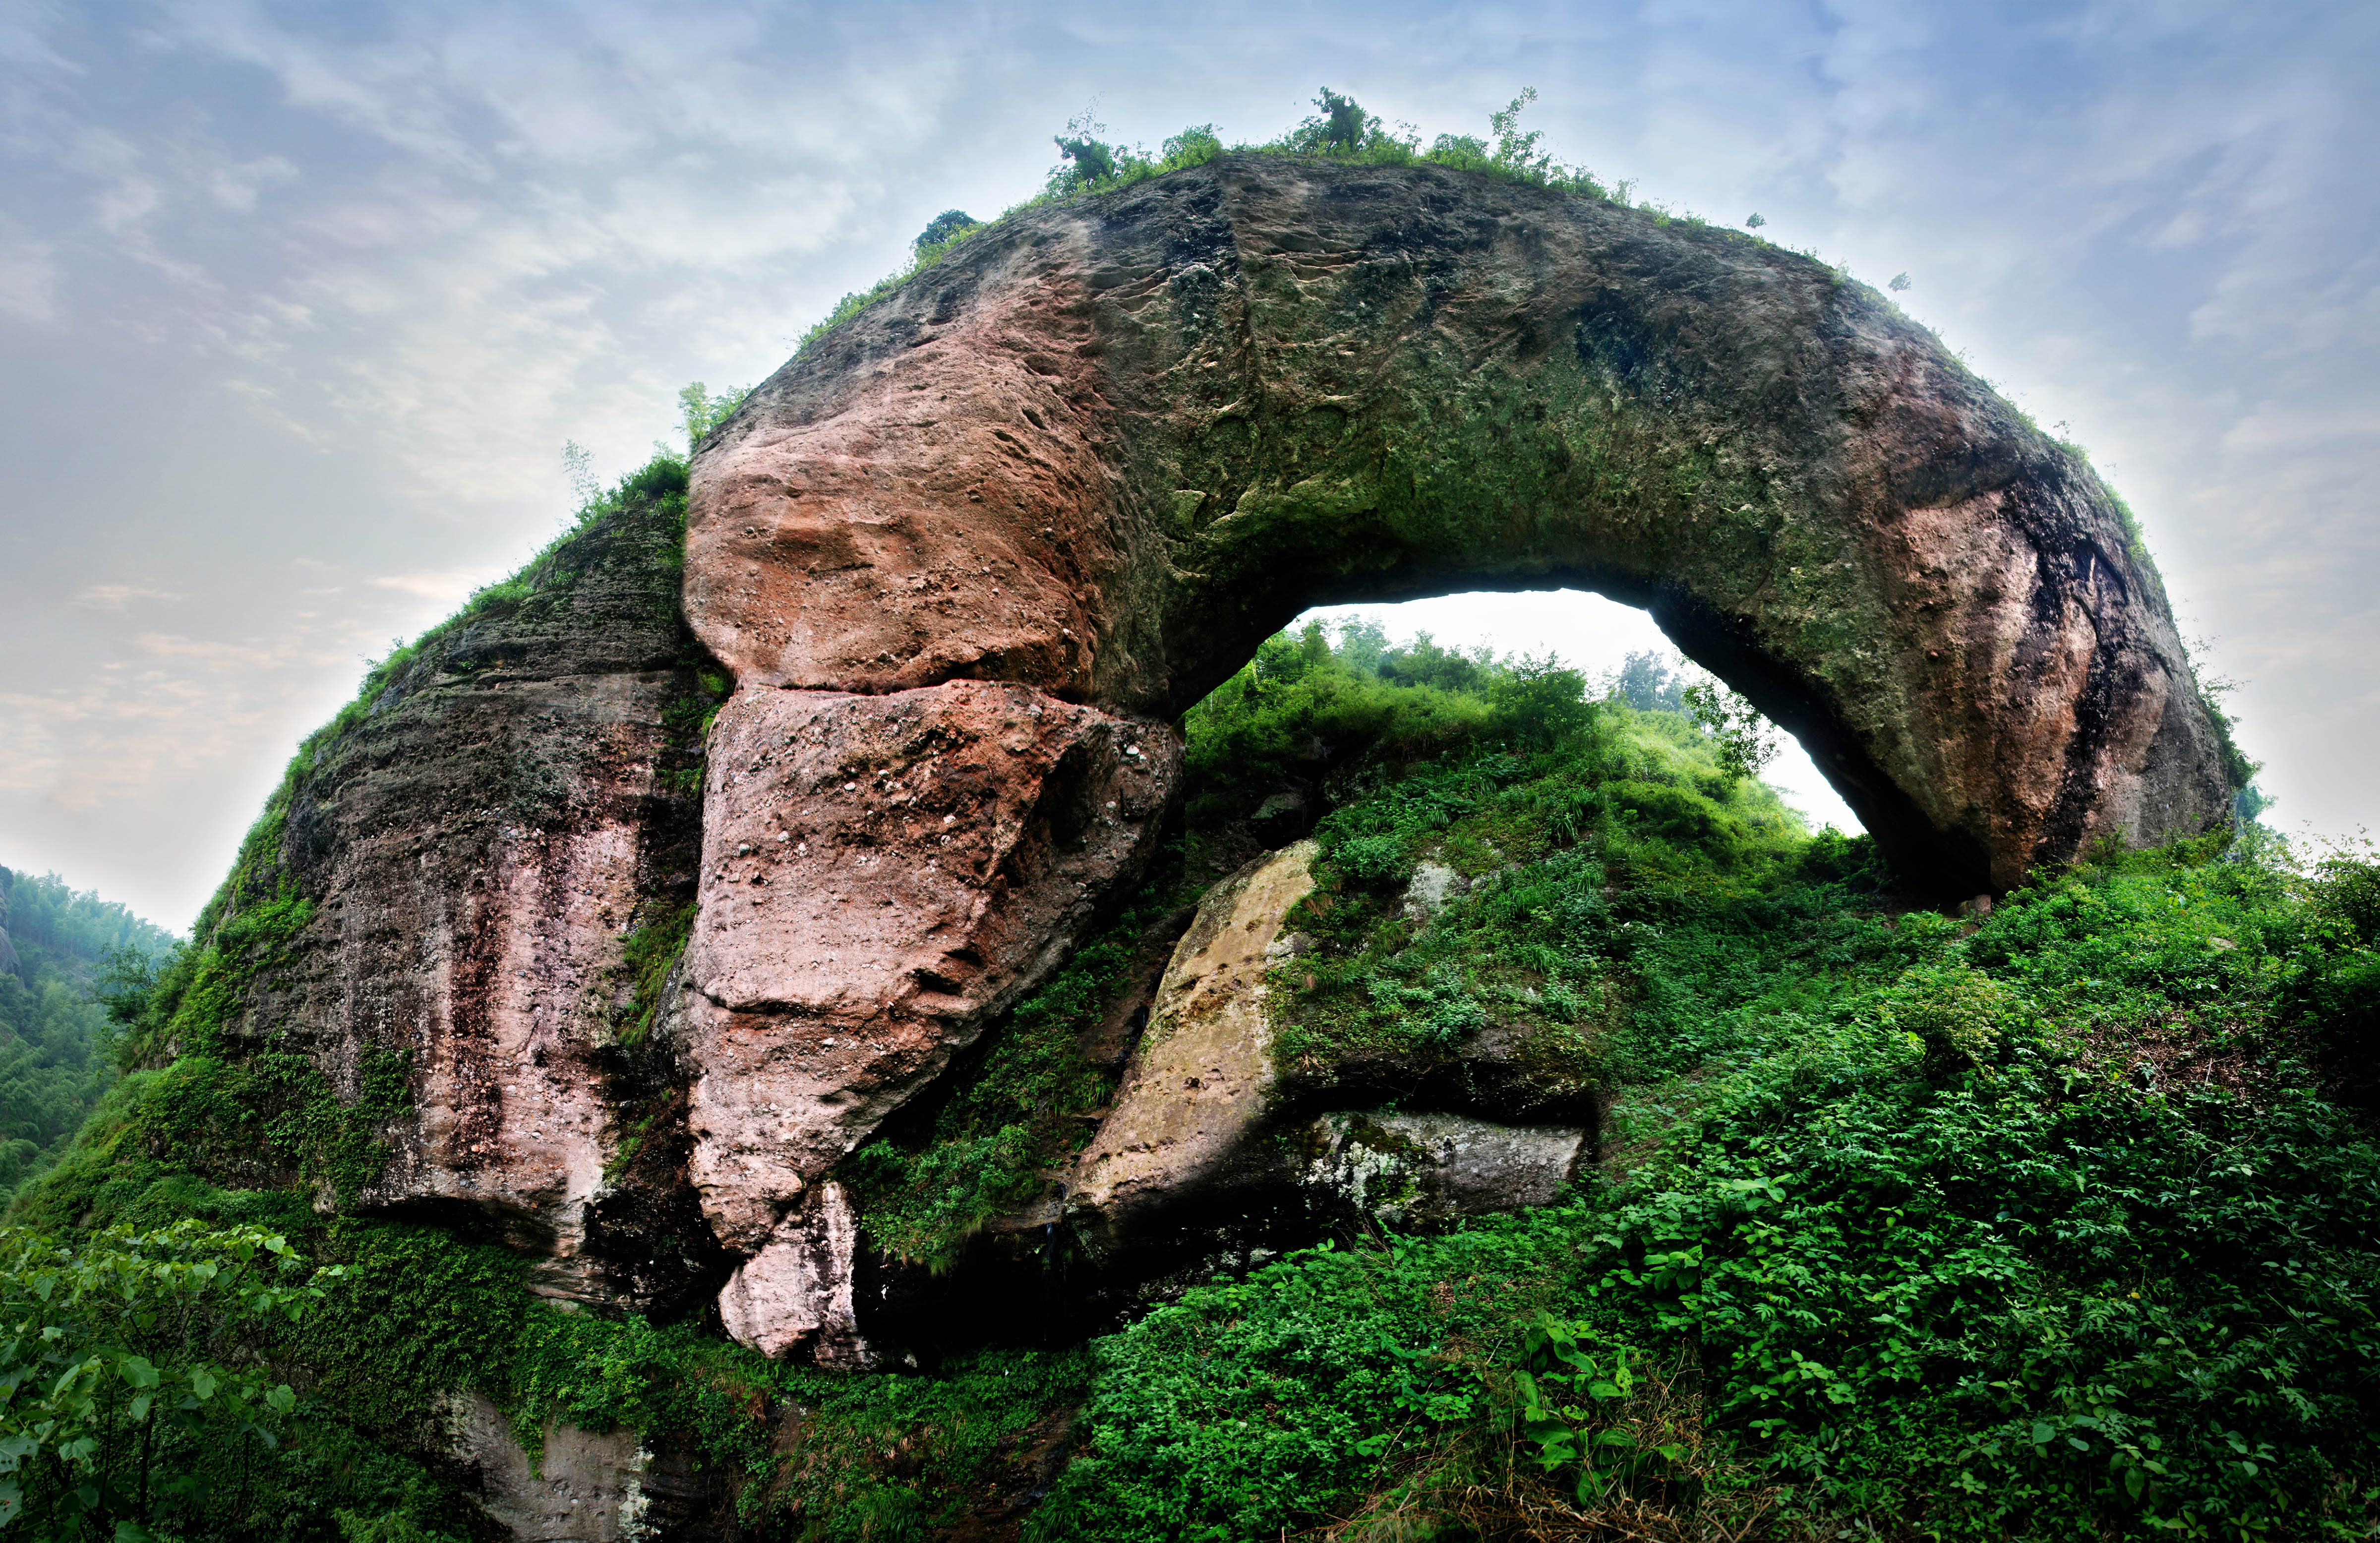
881	876
1210	1150
1107	446
1200	1083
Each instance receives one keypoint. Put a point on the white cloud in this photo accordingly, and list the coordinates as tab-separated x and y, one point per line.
235	185
447	584
29	279
117	598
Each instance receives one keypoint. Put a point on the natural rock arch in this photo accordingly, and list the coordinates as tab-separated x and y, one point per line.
970	553
1107	447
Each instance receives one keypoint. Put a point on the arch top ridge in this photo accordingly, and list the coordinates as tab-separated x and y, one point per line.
1106	447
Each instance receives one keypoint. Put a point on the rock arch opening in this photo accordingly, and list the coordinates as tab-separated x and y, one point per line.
1617	647
1021	513
1105	449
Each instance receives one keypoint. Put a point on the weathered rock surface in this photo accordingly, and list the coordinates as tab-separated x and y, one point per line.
796	1291
1106	447
1408	1169
1197	1086
881	876
476	849
1208	1145
583	1486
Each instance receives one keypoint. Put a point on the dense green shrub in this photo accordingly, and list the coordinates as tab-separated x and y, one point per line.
2030	1230
136	1390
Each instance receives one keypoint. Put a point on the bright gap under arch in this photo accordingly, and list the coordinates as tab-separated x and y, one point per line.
1593	633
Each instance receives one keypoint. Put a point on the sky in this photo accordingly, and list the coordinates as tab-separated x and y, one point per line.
298	303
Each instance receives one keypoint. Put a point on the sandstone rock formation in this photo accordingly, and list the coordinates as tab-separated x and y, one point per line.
1106	447
1209	1148
1199	1083
880	876
796	1291
581	1486
970	553
475	850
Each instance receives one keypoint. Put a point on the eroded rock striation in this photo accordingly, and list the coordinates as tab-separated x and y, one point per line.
465	861
881	875
1106	447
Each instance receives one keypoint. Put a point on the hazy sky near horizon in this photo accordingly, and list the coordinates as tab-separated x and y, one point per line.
298	303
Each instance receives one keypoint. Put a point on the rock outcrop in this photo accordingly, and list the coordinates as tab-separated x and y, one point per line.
580	1487
797	1291
881	876
1106	447
1417	1169
475	850
966	559
1209	1150
1198	1087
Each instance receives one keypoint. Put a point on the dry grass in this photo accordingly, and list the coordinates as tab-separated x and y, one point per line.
2176	1050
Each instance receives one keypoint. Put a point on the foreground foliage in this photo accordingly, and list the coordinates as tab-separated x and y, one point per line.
2040	1229
133	1395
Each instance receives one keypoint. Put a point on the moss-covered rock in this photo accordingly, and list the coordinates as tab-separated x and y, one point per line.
1106	447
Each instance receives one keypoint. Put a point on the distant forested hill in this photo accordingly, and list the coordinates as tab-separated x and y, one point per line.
55	948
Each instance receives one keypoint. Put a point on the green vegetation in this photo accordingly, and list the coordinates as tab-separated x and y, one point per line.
2059	1226
703	412
649	954
65	952
406	1319
1088	165
1455	758
133	1386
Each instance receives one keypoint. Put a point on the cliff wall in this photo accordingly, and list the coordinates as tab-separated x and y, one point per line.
461	869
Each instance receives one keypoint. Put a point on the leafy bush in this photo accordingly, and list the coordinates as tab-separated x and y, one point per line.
134	1390
2107	1272
1958	1012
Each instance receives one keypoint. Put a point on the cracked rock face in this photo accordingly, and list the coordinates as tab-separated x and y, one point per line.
796	1291
1107	447
1206	1137
881	876
476	848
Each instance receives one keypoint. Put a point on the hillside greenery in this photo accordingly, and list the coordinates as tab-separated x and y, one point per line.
57	1045
2058	1222
2059	1226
